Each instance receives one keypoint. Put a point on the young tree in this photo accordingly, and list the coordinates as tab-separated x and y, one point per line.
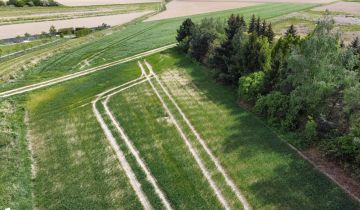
52	30
185	30
242	24
184	33
291	31
224	52
257	54
252	24
258	26
263	28
270	33
200	42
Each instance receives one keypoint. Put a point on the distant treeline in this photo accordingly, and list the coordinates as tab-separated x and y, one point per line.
309	85
30	3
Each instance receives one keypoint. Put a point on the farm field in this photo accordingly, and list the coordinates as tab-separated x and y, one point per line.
345	7
156	132
37	14
131	40
102	2
185	8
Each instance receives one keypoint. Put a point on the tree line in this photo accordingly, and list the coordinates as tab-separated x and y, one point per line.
308	85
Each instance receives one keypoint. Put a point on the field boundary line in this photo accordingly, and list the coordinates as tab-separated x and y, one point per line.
64	78
135	184
191	148
219	167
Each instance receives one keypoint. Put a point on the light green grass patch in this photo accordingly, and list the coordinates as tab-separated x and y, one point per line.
269	173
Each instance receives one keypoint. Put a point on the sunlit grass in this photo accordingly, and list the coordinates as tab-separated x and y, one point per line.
270	174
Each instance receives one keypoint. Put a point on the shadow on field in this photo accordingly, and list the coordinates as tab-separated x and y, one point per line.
271	174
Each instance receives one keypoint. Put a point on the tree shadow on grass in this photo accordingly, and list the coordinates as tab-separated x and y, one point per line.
283	179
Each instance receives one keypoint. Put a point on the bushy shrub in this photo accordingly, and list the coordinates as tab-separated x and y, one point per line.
273	106
310	132
82	32
346	149
250	85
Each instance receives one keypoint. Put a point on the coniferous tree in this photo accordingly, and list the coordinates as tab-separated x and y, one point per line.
291	31
223	53
233	25
184	30
258	26
270	33
242	24
184	33
252	24
263	28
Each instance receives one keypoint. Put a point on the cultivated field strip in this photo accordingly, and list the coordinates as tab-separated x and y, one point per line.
106	96
120	155
130	146
219	167
47	83
191	148
113	91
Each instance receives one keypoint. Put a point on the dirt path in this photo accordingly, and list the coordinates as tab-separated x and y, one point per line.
120	155
219	167
47	83
191	148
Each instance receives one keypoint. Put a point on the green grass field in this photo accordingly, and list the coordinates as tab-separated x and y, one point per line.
75	167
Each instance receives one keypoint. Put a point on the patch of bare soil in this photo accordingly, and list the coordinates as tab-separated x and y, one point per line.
101	2
347	7
340	175
349	36
179	8
9	31
342	20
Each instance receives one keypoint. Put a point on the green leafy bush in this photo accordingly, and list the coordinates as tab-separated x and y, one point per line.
250	85
310	132
273	106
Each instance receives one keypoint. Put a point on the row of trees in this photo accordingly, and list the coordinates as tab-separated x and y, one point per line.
309	85
30	3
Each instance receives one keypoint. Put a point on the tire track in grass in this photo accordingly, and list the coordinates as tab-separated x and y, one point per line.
131	146
191	148
57	80
119	153
219	167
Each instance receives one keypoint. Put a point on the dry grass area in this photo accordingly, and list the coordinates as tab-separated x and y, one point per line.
347	7
101	2
9	31
179	8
